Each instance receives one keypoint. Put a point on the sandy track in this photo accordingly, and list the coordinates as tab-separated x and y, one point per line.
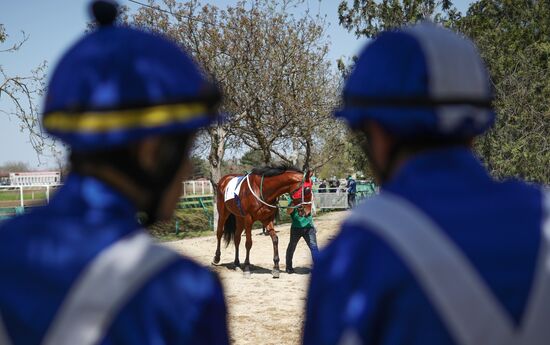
276	313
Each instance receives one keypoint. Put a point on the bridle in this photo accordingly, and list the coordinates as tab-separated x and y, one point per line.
302	194
260	199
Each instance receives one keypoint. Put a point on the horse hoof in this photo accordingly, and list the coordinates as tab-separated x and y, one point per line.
275	274
216	260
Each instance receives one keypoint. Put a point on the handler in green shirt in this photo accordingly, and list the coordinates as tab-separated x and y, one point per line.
302	226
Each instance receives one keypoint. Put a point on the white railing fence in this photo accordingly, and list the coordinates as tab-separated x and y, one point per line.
337	198
198	188
40	194
26	196
329	200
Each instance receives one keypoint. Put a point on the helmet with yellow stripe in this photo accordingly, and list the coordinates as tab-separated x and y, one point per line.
119	84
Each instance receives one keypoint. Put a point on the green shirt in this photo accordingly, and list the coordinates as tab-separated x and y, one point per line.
300	221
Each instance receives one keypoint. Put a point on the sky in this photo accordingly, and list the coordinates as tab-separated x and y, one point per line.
54	25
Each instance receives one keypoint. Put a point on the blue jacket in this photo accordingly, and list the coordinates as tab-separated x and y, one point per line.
359	282
352	186
42	252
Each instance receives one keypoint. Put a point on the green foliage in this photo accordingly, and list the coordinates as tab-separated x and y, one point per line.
356	153
200	167
252	158
513	39
369	17
340	165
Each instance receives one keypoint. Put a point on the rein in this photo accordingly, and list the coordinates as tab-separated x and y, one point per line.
260	198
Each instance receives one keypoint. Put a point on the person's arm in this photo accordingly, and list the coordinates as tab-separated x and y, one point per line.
289	210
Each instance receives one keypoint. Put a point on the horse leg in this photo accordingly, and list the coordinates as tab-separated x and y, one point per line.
237	240
248	244
275	241
223	214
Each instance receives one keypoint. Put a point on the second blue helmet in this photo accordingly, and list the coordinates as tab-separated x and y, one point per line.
420	80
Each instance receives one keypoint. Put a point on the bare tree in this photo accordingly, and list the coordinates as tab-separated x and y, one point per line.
271	65
14	167
21	93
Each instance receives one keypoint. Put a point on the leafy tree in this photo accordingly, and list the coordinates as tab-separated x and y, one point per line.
252	158
513	38
200	167
369	17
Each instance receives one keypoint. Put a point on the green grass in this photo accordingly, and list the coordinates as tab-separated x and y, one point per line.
27	195
191	222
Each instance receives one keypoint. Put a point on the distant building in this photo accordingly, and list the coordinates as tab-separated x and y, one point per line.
35	178
4	179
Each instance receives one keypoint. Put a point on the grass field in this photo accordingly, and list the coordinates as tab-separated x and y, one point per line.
27	195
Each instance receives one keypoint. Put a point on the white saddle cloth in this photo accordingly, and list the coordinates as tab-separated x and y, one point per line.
233	187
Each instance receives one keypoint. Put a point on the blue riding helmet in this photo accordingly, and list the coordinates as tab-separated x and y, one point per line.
119	84
420	80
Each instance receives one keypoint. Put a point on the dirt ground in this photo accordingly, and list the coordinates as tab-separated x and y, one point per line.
276	314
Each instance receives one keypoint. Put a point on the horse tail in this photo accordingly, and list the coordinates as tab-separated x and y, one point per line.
229	229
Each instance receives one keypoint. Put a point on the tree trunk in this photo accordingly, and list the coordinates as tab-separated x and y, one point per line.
266	151
215	158
307	156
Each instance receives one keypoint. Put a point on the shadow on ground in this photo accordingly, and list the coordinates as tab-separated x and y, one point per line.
262	270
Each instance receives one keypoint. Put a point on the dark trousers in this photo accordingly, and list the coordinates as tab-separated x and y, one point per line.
309	235
351	200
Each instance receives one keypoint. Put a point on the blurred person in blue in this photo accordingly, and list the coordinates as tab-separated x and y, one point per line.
81	270
351	187
445	254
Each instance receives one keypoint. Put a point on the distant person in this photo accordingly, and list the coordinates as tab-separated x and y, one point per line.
323	186
314	179
334	185
82	270
337	184
331	188
444	254
301	227
351	188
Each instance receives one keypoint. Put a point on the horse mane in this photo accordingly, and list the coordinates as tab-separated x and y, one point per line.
275	169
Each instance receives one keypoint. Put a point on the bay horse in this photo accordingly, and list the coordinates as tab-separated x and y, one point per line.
256	201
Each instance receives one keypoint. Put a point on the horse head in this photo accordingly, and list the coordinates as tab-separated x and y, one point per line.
301	194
